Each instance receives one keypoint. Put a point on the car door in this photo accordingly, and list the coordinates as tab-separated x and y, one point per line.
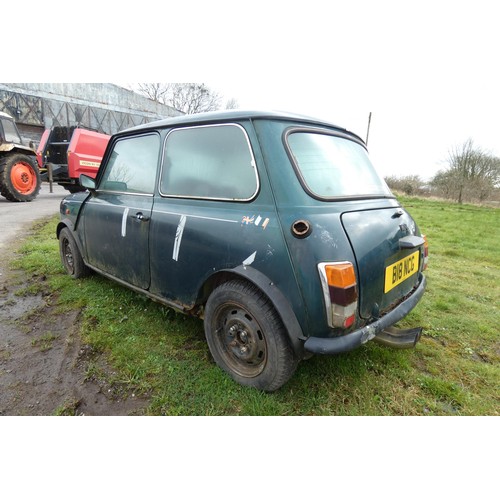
117	217
211	213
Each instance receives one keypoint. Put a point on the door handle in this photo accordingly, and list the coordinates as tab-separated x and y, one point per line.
140	217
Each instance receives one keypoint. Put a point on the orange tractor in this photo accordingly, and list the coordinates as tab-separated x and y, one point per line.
19	172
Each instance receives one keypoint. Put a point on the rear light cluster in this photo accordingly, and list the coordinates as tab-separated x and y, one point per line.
426	252
340	293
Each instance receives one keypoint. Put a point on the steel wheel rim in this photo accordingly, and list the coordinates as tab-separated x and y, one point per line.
240	340
68	255
23	178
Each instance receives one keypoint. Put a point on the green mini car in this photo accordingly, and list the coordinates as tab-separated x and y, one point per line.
273	228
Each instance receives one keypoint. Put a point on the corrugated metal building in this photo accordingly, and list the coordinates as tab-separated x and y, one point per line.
103	107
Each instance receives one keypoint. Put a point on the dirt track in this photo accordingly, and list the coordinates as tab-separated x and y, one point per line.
44	365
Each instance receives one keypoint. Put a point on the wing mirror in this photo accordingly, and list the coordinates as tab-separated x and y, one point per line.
87	182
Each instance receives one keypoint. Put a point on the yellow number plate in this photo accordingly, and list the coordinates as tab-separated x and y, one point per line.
399	271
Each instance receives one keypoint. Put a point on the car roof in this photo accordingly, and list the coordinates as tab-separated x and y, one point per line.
235	114
5	115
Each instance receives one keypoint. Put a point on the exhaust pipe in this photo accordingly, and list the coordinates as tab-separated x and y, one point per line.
400	339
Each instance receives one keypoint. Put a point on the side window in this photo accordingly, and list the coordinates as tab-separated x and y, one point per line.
213	161
132	165
10	132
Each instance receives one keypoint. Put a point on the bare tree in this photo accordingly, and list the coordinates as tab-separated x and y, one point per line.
186	97
232	104
155	91
194	98
471	174
409	184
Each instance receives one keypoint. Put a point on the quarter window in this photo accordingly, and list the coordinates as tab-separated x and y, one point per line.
213	162
132	165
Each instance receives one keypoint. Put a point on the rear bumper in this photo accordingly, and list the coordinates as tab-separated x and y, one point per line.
320	345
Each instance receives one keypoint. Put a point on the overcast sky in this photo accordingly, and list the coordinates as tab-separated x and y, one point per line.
428	70
411	130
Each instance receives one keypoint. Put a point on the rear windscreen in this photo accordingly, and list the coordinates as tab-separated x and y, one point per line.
330	166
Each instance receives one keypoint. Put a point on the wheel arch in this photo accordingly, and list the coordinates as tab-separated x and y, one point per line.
62	224
67	223
272	292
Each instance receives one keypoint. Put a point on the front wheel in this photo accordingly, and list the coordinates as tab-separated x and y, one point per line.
247	338
71	257
19	178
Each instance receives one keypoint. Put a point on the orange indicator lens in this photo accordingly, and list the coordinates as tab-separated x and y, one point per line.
340	275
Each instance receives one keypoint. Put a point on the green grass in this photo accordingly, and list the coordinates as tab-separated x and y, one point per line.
453	371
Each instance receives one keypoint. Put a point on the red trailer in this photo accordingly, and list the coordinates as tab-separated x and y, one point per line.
66	152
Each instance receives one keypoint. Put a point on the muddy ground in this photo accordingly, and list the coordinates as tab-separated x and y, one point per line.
44	364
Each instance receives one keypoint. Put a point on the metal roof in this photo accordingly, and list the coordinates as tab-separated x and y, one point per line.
227	115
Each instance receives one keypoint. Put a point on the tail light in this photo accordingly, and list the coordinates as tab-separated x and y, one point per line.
340	292
426	252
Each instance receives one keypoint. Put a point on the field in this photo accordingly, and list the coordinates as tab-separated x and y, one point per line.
454	369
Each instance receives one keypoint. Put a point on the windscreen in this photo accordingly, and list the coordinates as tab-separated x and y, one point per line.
331	166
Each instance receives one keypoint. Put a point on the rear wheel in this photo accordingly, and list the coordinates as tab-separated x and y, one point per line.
70	255
247	338
19	178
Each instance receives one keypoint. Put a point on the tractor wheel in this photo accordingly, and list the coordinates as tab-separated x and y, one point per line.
19	178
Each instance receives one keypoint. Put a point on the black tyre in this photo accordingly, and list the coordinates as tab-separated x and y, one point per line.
19	177
247	338
70	255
